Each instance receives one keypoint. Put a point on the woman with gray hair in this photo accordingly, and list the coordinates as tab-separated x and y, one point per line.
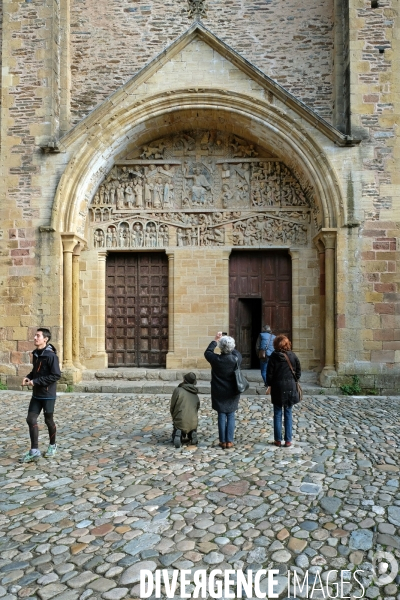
224	392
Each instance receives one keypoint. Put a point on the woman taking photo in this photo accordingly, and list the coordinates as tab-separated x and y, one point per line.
224	392
282	373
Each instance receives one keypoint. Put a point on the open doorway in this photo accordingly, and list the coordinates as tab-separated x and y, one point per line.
248	327
260	293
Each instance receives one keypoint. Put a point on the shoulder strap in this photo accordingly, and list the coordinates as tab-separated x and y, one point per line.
290	365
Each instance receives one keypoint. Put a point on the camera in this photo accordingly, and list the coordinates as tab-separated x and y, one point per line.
224	333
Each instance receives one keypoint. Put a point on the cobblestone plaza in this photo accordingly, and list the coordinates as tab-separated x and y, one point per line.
118	497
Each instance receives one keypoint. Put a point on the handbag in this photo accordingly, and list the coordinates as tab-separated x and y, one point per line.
298	386
241	381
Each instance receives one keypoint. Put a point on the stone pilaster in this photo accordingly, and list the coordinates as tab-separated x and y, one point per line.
295	255
327	238
171	307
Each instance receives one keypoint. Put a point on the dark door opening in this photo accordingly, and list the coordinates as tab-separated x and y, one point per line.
260	293
137	309
248	329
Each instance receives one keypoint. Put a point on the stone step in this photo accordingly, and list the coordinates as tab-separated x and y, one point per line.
172	375
114	386
164	381
145	386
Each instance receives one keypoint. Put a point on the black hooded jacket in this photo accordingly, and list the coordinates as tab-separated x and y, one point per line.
281	380
45	373
224	392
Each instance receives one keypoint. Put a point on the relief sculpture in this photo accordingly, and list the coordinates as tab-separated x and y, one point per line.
270	231
201	188
210	229
197	8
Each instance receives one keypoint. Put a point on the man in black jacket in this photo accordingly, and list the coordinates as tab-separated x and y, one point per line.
43	377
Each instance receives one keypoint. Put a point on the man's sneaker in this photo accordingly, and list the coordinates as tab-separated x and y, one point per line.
51	451
193	438
177	438
30	456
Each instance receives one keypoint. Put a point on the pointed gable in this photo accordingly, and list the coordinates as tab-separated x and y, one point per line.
200	61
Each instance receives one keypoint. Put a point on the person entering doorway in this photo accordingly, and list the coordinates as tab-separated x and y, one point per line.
264	349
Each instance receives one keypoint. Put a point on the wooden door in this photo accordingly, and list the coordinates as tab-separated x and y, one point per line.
243	335
137	309
266	275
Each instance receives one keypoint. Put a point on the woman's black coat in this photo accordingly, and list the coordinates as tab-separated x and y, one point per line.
281	380
224	392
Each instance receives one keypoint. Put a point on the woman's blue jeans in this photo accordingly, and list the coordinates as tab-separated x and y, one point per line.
263	369
287	412
226	426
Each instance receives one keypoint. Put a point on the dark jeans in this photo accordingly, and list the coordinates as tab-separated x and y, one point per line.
263	368
226	426
287	411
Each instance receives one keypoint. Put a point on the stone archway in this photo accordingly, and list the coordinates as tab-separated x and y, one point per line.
255	126
190	193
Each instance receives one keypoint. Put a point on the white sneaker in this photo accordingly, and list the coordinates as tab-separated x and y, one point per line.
51	451
30	456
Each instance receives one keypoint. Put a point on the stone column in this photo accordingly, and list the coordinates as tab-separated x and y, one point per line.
70	241
296	342
321	255
171	308
329	240
76	307
69	244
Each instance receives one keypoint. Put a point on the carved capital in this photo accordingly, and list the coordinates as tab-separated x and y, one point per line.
72	243
294	254
329	239
325	240
102	256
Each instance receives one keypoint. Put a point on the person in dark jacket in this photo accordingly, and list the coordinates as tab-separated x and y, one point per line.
43	378
184	410
282	384
224	392
264	349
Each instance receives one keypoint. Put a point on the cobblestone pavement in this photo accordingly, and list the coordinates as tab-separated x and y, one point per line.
118	497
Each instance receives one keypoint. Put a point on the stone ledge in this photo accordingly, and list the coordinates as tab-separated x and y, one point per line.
167	387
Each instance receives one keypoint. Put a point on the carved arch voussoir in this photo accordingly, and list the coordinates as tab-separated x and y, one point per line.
94	154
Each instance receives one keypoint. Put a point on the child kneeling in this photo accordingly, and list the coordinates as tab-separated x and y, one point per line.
184	407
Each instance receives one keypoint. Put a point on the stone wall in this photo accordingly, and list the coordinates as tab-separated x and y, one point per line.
368	282
108	45
1	62
292	43
29	265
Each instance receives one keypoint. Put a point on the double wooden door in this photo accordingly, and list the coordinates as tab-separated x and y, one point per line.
260	293
137	309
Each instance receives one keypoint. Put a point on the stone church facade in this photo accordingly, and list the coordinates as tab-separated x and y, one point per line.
173	169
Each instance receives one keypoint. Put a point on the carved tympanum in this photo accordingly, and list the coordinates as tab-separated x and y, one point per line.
201	188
